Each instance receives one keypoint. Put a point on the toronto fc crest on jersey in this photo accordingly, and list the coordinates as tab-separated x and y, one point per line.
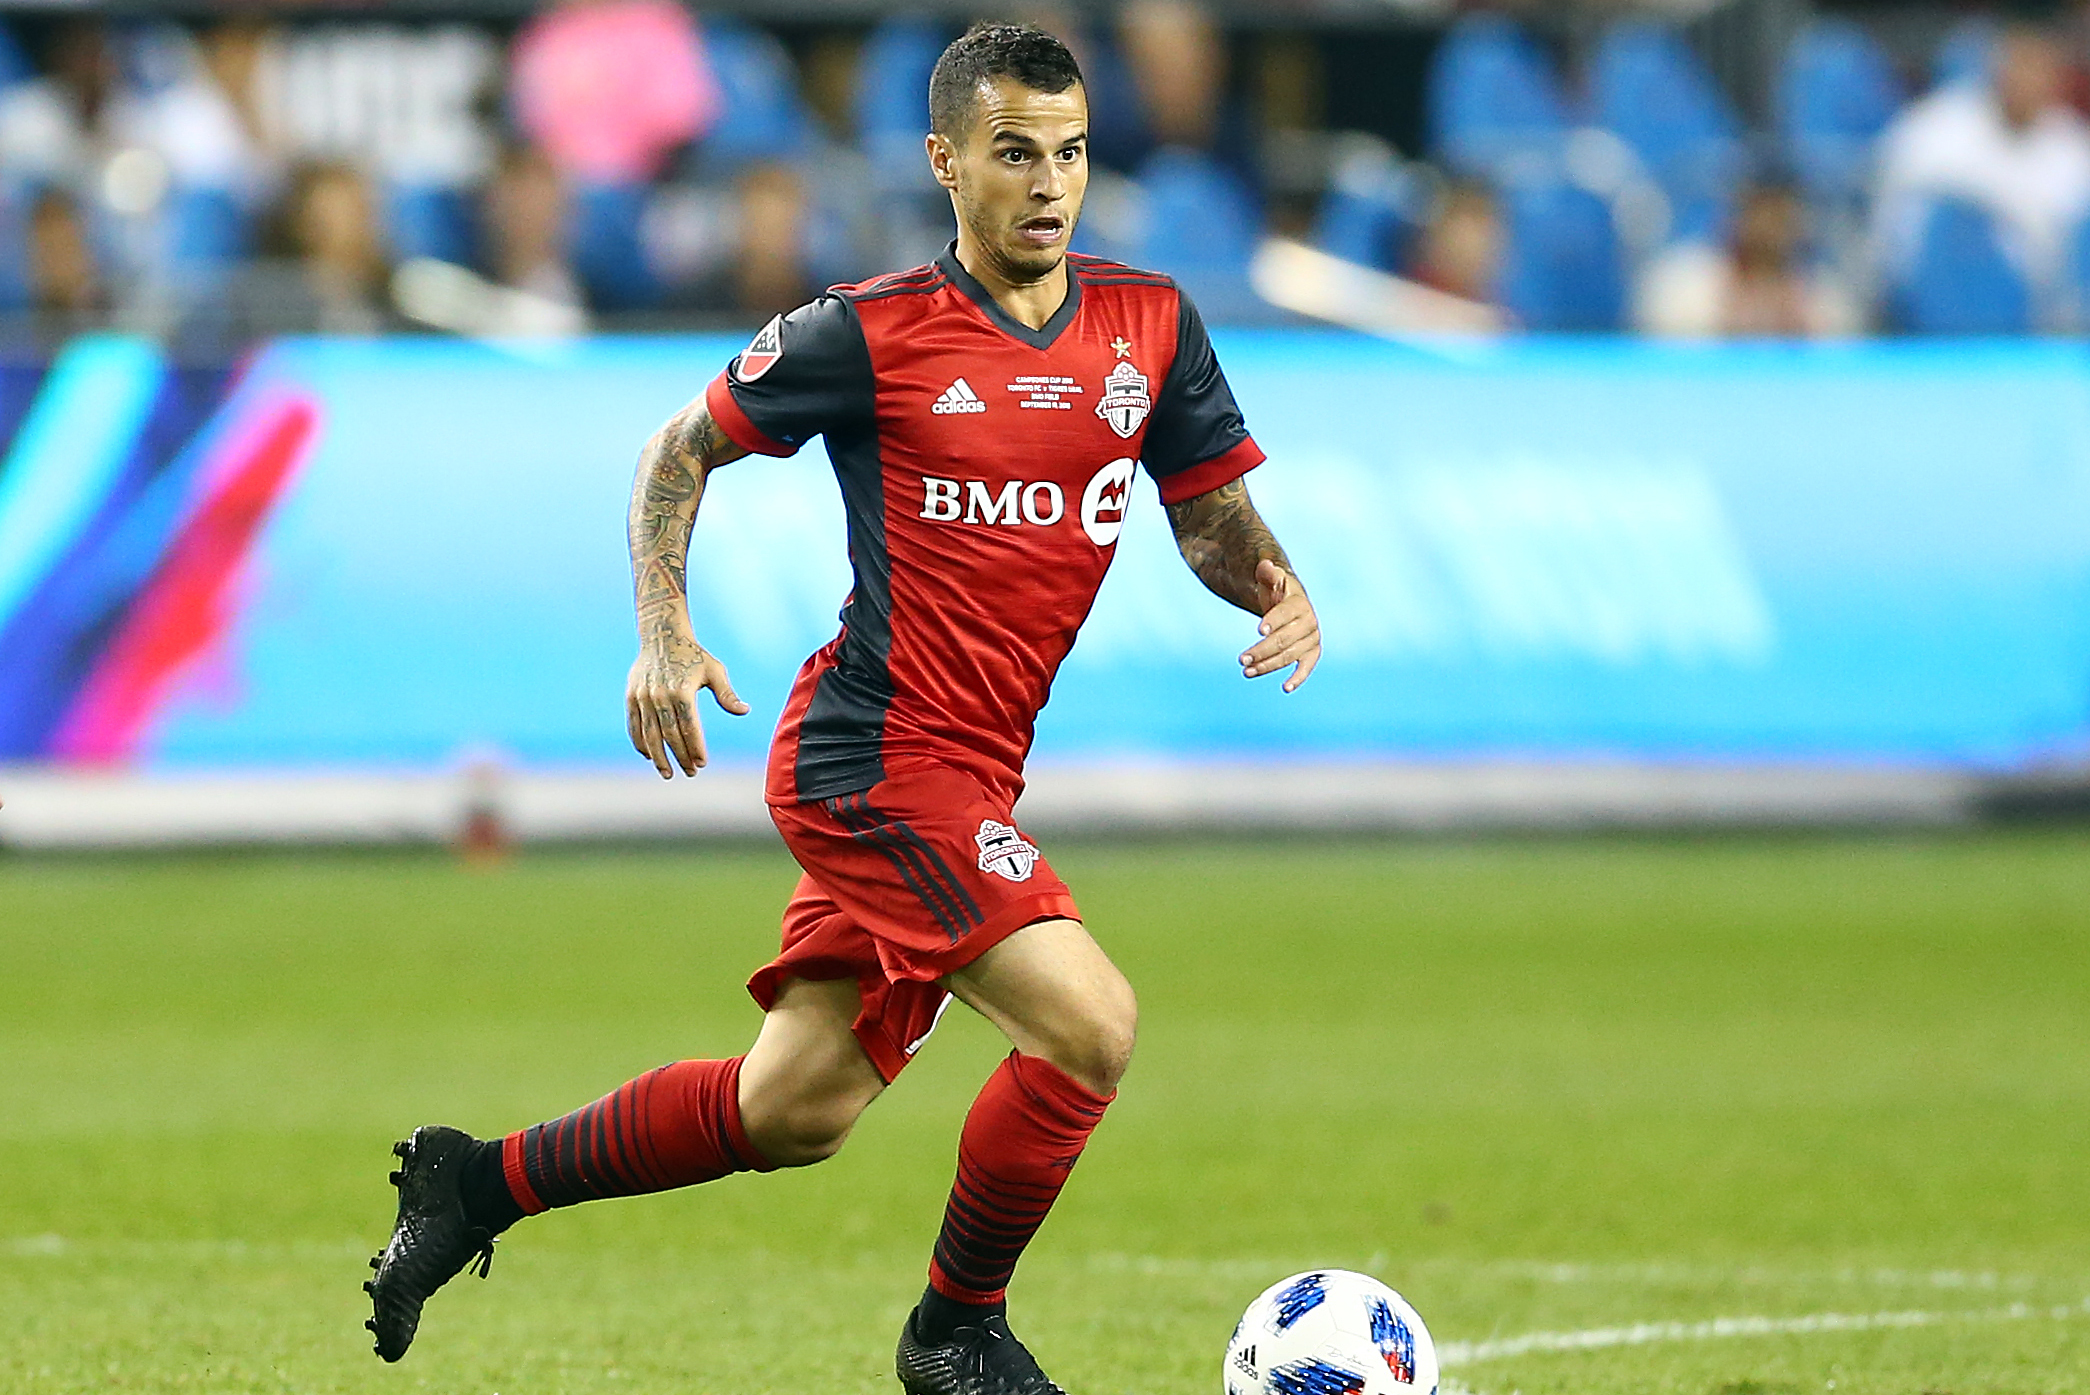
1004	852
1125	402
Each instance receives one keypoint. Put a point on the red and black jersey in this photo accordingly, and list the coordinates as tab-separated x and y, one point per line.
985	470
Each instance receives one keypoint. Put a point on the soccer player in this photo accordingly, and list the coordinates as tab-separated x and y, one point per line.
984	415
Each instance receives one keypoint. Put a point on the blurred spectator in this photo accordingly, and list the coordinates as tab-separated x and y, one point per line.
51	127
65	285
2011	145
770	275
524	223
1178	59
336	281
1757	287
610	89
1192	214
1459	250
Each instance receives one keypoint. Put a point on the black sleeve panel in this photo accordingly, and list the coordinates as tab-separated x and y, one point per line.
1195	418
812	376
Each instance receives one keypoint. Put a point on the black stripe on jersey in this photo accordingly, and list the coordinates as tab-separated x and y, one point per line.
896	280
842	735
929	287
1103	271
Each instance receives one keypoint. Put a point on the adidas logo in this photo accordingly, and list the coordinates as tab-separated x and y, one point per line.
958	400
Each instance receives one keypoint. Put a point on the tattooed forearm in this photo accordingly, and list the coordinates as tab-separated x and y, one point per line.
1223	539
664	499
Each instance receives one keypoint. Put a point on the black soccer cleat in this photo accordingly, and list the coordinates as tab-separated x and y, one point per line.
431	1241
982	1360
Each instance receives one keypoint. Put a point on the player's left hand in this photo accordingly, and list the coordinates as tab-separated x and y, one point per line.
1291	631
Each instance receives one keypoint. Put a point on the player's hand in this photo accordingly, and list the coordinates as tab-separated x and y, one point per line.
1291	631
660	703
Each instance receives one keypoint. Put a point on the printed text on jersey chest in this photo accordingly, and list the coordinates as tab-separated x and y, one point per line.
1045	391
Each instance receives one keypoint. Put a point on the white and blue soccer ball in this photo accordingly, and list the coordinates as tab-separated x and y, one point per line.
1331	1332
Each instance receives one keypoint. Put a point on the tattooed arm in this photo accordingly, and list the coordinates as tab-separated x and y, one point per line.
1231	549
660	699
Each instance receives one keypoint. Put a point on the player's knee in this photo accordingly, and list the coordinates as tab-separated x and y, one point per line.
1096	1046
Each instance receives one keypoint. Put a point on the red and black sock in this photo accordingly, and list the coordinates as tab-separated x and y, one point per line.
672	1127
1023	1136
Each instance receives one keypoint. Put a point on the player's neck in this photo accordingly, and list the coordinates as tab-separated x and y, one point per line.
1029	303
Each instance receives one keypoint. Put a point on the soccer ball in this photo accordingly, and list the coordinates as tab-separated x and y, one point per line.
1330	1332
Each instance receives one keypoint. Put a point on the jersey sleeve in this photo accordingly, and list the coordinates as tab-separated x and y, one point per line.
1196	440
804	374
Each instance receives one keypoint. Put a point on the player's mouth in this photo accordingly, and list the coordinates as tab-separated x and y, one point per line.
1045	230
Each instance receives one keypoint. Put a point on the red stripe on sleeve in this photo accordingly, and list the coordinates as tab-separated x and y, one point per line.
1205	477
739	429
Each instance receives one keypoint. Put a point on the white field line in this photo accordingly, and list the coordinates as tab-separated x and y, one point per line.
1450	1354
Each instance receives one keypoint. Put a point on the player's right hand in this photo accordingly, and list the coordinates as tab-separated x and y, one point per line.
660	703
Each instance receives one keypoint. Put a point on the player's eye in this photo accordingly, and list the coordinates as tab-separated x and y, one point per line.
1015	155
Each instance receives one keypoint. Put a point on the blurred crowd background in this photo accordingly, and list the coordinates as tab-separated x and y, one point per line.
1752	168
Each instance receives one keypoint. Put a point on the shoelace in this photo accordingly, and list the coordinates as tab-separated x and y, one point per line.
482	1259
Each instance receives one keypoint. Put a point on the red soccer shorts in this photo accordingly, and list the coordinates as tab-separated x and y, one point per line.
905	882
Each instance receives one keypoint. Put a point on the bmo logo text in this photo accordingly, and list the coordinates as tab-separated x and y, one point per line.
1040	502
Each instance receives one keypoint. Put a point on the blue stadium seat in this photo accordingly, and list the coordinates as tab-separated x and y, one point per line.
1563	265
1199	217
14	61
1966	54
207	227
762	116
1836	93
1373	208
1650	89
603	239
1962	281
1200	225
892	97
426	220
14	247
1494	99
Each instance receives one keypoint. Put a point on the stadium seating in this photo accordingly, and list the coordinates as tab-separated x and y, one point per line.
1563	266
608	255
892	103
1648	88
761	116
1961	281
1494	99
424	220
1373	207
1201	226
1836	93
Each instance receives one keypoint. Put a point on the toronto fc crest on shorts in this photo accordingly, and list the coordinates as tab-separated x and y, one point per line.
1004	852
1125	402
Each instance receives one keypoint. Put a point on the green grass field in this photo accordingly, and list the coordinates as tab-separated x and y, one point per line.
1576	1099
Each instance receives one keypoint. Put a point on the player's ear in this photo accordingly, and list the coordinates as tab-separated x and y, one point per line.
943	159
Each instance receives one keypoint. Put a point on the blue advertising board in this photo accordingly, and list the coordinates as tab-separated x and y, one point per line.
1538	549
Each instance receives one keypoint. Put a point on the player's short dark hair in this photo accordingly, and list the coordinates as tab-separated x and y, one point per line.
1020	51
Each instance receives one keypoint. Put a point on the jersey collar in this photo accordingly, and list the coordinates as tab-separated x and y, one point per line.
1003	320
